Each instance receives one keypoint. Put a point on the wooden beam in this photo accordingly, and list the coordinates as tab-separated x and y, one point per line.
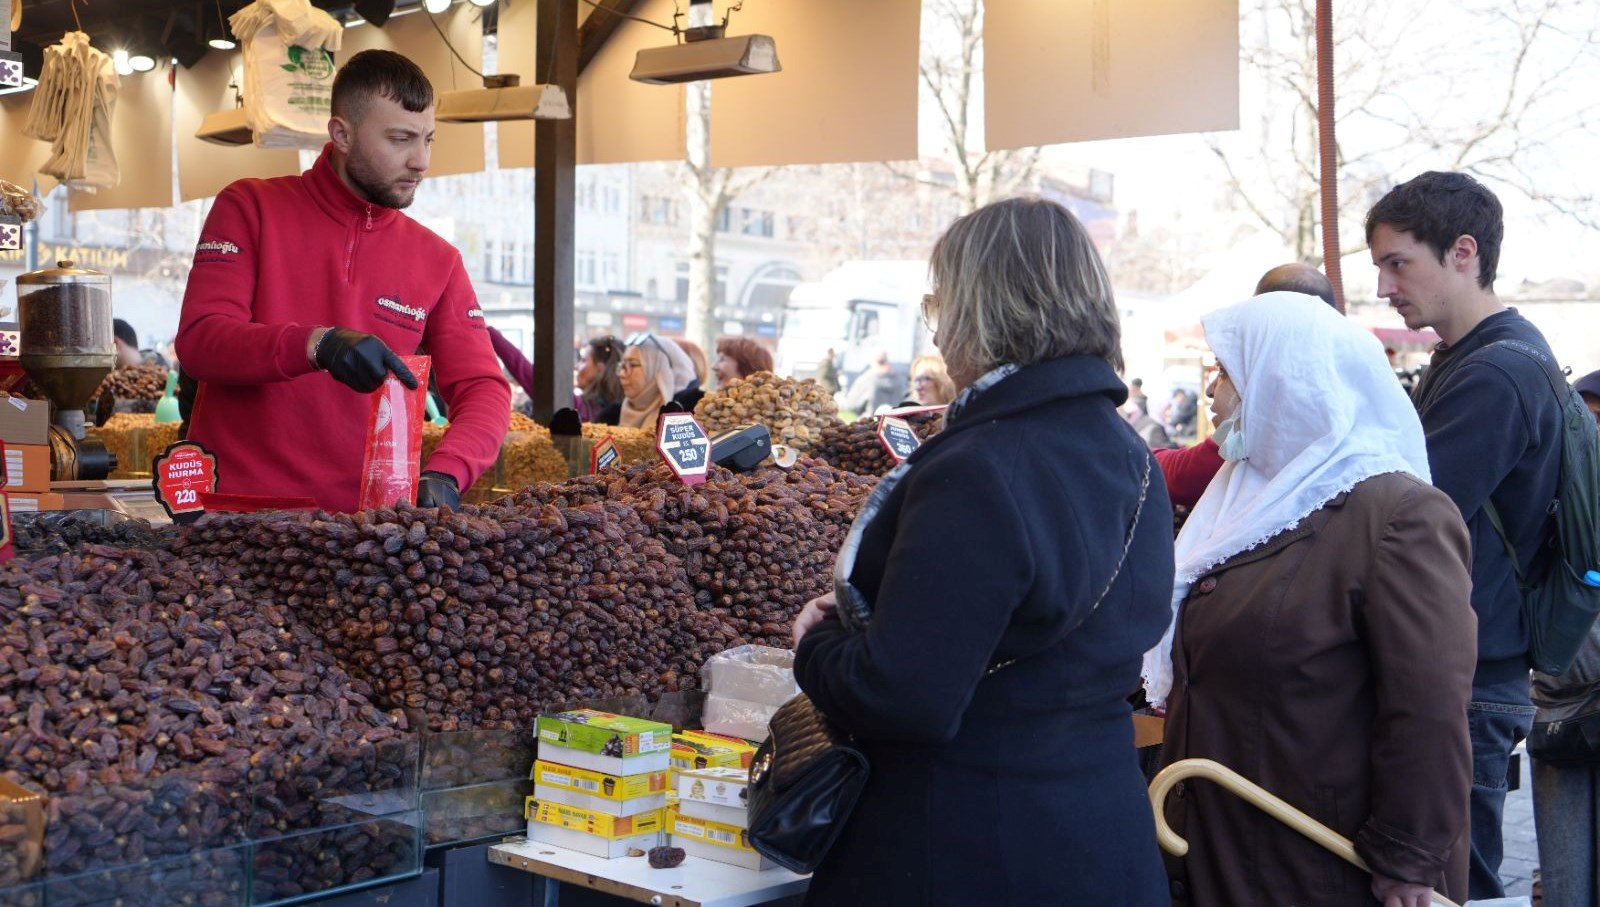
600	26
555	159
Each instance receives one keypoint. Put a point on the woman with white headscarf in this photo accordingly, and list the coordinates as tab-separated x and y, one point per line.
660	374
1322	643
647	383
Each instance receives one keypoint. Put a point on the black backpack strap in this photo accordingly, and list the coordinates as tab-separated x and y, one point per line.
1500	530
1552	374
1547	364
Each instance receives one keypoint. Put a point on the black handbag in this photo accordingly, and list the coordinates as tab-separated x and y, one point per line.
804	783
807	776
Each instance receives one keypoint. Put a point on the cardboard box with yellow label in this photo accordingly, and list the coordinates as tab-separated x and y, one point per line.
626	795
716	841
592	832
701	749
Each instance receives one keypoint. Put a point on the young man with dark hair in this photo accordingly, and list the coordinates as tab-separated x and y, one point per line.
1494	437
304	287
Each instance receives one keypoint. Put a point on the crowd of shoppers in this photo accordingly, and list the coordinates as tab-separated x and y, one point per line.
1339	620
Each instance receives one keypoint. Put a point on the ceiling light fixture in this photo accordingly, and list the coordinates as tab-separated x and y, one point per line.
503	98
705	53
222	41
121	63
483	2
142	62
435	6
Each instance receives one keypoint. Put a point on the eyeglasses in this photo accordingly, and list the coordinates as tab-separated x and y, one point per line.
930	310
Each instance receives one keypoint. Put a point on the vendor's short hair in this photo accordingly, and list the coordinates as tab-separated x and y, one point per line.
124	331
379	73
1019	281
748	355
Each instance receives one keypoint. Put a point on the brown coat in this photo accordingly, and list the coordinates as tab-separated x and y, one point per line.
1332	666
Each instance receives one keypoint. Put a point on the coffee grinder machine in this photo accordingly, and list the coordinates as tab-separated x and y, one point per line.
64	321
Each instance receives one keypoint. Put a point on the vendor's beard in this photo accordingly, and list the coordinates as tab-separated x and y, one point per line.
372	186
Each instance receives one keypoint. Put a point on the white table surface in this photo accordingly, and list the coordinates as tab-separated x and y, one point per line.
695	883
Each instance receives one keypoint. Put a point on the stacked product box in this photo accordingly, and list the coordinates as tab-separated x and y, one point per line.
703	749
600	783
711	821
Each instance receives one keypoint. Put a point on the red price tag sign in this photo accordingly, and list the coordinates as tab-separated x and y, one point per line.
604	456
183	475
897	437
686	447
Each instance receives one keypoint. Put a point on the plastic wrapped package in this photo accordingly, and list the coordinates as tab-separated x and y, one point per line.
744	686
18	201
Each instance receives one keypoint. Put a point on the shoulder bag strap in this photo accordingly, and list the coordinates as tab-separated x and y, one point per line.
1144	492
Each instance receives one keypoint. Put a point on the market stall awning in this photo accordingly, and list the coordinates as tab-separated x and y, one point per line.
1075	70
1055	71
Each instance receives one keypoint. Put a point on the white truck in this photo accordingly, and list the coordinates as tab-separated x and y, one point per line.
859	310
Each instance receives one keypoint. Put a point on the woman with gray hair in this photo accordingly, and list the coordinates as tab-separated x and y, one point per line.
993	599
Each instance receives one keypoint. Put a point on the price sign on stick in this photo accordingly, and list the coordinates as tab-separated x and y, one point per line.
685	446
182	475
897	437
604	456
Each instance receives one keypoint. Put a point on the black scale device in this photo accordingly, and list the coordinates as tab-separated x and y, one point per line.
742	449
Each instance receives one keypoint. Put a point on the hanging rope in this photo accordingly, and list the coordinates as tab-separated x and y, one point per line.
1328	147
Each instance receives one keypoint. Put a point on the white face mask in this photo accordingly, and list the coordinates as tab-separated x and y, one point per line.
1230	438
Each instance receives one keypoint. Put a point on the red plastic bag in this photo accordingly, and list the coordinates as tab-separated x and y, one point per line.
393	459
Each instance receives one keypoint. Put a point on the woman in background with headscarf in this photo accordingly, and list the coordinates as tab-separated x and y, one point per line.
646	376
1322	644
655	373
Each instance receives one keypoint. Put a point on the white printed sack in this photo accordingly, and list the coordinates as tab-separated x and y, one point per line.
288	71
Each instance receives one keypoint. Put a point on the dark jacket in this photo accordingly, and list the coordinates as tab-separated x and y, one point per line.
1021	787
1494	433
1331	666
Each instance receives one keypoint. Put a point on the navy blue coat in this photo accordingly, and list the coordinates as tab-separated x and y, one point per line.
1021	787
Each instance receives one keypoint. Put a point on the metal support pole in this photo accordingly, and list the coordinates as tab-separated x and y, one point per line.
1328	152
555	163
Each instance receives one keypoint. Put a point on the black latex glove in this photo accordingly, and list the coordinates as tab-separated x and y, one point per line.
435	489
360	361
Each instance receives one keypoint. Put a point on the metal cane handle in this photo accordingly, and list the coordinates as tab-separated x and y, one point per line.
1257	796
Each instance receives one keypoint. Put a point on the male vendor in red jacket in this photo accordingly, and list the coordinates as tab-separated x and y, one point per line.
303	289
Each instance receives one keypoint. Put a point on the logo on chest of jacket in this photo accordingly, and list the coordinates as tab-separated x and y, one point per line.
393	311
475	315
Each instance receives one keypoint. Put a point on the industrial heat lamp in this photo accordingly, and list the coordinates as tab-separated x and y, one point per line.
706	53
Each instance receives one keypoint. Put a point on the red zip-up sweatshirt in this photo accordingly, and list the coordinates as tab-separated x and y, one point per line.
277	259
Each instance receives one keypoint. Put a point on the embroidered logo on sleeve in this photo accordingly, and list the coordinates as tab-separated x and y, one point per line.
211	250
